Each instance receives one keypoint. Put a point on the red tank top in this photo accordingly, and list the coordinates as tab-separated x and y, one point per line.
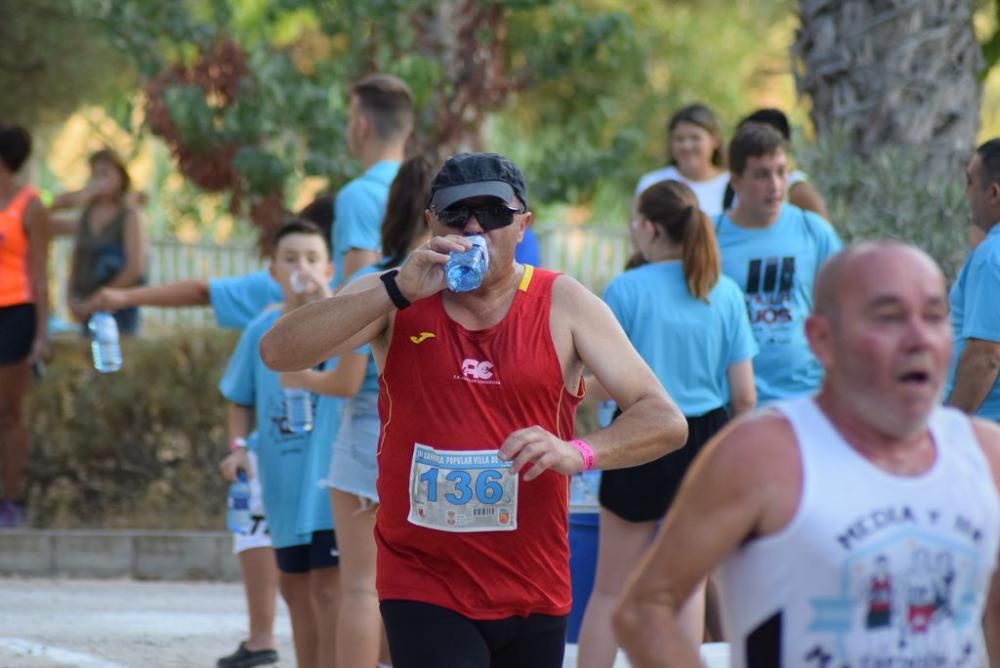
15	281
455	389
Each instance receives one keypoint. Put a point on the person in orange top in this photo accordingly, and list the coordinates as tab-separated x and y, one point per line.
24	311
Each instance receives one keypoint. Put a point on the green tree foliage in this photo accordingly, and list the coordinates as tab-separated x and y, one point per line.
578	91
52	60
609	74
117	450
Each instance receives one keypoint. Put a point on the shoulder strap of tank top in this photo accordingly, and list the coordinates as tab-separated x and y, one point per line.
538	282
808	424
946	422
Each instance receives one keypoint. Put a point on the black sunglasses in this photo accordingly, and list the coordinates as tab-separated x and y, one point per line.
490	216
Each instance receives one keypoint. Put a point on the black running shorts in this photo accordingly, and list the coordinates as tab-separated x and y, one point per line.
17	332
644	493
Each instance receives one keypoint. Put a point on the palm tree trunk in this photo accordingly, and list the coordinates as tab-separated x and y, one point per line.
893	73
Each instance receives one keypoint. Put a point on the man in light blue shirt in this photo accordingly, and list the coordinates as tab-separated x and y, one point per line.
773	251
975	296
379	122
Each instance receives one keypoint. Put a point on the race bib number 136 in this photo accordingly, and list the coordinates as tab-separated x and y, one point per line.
462	490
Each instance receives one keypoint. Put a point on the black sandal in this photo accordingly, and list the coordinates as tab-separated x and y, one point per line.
246	658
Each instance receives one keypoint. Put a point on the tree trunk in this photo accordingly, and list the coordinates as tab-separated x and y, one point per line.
893	73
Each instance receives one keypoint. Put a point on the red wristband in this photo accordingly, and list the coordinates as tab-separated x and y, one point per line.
585	451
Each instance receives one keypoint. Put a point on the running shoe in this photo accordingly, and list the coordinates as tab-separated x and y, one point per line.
247	658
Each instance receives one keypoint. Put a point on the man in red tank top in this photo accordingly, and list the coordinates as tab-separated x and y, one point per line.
477	396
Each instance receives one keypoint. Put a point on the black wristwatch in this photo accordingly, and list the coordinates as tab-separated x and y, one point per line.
389	280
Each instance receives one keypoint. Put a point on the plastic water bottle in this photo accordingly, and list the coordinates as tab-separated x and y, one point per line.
238	505
465	270
298	281
104	346
298	410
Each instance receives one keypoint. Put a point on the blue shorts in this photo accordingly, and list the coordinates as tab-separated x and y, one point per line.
353	466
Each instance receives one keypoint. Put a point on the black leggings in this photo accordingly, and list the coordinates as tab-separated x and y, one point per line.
422	635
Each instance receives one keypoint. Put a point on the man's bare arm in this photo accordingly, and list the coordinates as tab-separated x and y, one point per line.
358	314
722	502
976	374
329	327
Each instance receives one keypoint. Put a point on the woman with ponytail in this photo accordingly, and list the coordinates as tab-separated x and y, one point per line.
689	323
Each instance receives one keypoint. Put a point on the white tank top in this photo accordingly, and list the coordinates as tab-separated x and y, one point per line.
874	570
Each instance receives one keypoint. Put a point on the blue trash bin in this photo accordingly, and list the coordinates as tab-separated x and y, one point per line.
583	528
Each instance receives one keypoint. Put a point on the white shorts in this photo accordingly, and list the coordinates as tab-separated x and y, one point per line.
258	535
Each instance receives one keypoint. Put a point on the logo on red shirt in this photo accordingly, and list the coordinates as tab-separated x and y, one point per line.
476	371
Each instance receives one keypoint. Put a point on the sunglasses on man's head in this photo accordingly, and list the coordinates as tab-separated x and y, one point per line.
490	216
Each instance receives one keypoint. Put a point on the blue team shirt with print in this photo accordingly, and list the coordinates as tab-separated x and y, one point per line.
287	481
688	343
776	268
975	310
358	212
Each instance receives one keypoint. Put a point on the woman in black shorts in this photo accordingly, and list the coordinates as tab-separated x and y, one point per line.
24	239
690	325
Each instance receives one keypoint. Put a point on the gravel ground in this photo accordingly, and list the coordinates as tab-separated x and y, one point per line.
54	623
119	623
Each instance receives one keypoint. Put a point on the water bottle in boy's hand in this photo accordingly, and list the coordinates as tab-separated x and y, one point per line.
298	281
298	410
465	270
238	505
104	345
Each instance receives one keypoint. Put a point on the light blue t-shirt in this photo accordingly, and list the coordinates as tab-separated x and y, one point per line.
975	310
237	300
776	268
358	212
283	457
688	343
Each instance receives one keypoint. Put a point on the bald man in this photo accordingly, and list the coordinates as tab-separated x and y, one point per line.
854	528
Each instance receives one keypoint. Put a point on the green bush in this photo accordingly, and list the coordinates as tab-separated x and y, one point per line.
890	196
138	448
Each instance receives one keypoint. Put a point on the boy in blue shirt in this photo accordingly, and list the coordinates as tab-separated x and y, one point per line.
298	515
773	251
